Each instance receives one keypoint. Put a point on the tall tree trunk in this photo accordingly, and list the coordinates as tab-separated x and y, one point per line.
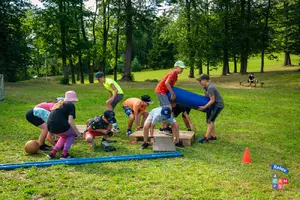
77	72
200	67
80	69
207	36
189	39
225	48
235	63
128	51
90	68
61	8
287	58
105	33
207	67
72	70
117	41
94	35
265	37
246	24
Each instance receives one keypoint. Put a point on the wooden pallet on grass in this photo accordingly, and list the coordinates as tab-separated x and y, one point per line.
187	137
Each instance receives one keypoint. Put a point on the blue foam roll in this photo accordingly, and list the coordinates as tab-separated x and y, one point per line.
189	99
76	161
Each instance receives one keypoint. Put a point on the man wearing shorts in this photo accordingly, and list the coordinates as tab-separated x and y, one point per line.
167	83
135	108
215	106
115	93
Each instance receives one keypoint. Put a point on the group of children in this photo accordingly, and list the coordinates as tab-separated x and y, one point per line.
57	118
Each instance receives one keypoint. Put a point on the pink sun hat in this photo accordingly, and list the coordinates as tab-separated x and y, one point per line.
70	96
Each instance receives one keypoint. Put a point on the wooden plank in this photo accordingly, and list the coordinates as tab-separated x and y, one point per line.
161	144
187	137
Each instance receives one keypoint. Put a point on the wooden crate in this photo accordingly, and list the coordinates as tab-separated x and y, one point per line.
187	137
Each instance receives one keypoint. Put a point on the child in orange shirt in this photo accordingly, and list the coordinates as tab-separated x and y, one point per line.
134	108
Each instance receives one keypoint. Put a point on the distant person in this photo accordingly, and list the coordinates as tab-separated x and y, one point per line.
166	84
115	93
251	79
160	115
100	126
61	123
136	108
214	106
38	116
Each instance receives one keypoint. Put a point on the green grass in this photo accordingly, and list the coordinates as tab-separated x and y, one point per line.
254	64
264	119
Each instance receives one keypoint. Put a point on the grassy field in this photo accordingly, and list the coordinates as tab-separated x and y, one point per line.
254	64
264	119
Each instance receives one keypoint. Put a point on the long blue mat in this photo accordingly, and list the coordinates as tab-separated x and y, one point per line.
76	161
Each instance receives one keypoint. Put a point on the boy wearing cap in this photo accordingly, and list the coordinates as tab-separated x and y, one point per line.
167	83
215	105
163	115
100	126
115	93
134	108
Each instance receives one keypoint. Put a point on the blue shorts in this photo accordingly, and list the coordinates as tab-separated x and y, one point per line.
127	110
212	114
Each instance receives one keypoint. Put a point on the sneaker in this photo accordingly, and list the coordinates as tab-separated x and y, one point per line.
109	148
45	147
212	138
129	132
179	144
116	130
202	140
68	156
168	129
51	156
144	145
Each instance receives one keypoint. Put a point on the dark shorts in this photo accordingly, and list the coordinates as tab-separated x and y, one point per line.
127	110
177	111
116	100
33	119
212	114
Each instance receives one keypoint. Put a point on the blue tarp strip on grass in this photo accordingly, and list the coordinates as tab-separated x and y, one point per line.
76	161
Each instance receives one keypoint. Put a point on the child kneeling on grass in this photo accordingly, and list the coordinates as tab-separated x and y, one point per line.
101	126
163	115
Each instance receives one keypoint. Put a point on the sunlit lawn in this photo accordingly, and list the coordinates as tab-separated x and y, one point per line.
264	119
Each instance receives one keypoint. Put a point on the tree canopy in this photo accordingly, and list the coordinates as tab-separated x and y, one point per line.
120	36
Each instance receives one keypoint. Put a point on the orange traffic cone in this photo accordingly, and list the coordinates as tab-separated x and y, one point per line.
246	158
